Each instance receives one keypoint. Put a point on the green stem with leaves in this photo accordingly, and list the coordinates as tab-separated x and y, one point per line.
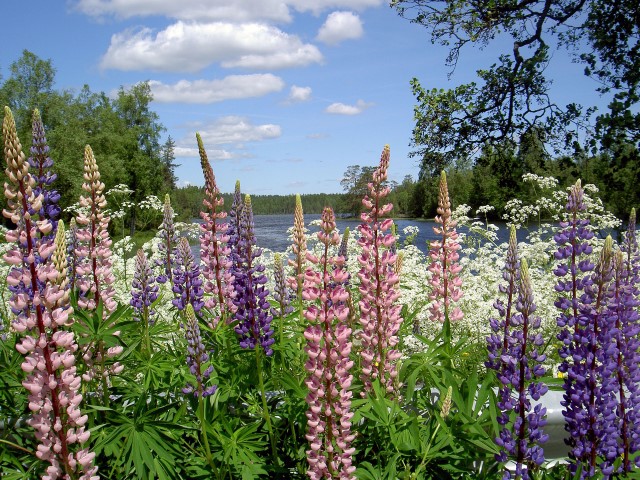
265	408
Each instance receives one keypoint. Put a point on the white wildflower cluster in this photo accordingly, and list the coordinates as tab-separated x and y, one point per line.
410	233
152	202
484	209
544	183
120	189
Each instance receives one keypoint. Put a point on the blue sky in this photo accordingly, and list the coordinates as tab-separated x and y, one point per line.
285	93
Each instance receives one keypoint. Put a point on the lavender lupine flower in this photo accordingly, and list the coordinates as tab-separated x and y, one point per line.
589	351
632	254
513	352
40	166
299	248
144	290
95	275
444	266
197	357
379	312
48	348
281	292
252	313
187	283
328	348
214	251
168	243
235	217
623	306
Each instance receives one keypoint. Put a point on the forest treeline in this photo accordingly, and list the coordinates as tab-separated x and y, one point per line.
128	139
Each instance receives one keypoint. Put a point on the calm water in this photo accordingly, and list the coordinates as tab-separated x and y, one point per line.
271	230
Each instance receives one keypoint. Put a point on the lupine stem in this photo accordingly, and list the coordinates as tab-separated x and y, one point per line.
265	408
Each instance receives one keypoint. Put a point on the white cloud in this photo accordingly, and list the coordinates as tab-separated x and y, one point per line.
340	26
190	47
343	109
212	154
237	130
207	10
317	6
299	94
202	10
218	90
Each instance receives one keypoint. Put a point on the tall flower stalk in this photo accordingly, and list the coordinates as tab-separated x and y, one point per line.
513	353
328	348
187	282
144	292
49	348
214	250
252	314
281	296
95	275
379	312
589	350
299	260
444	267
40	166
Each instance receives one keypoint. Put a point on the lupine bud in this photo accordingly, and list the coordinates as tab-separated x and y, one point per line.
144	290
197	357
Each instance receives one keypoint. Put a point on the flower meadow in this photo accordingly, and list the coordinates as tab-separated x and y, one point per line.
348	356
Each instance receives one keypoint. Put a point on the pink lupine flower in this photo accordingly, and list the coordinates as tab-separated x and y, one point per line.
95	275
328	348
214	250
445	281
42	312
379	312
299	248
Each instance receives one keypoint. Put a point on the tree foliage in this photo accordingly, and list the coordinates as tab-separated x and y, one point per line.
512	95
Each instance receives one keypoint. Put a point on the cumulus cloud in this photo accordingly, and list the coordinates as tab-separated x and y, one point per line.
340	26
190	47
212	154
218	90
208	10
299	94
344	109
237	130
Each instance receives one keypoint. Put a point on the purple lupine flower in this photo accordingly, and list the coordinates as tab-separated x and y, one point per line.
187	283
214	251
252	313
144	290
513	353
235	217
589	350
49	349
197	357
40	166
281	293
168	243
379	310
623	306
328	348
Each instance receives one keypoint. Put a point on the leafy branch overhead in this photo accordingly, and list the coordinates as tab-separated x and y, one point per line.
512	96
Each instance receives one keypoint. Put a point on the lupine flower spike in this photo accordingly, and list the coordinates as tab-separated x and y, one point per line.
144	291
197	357
445	281
513	352
95	275
299	248
48	348
214	250
379	312
253	312
72	257
40	165
280	294
328	348
168	243
187	283
589	351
